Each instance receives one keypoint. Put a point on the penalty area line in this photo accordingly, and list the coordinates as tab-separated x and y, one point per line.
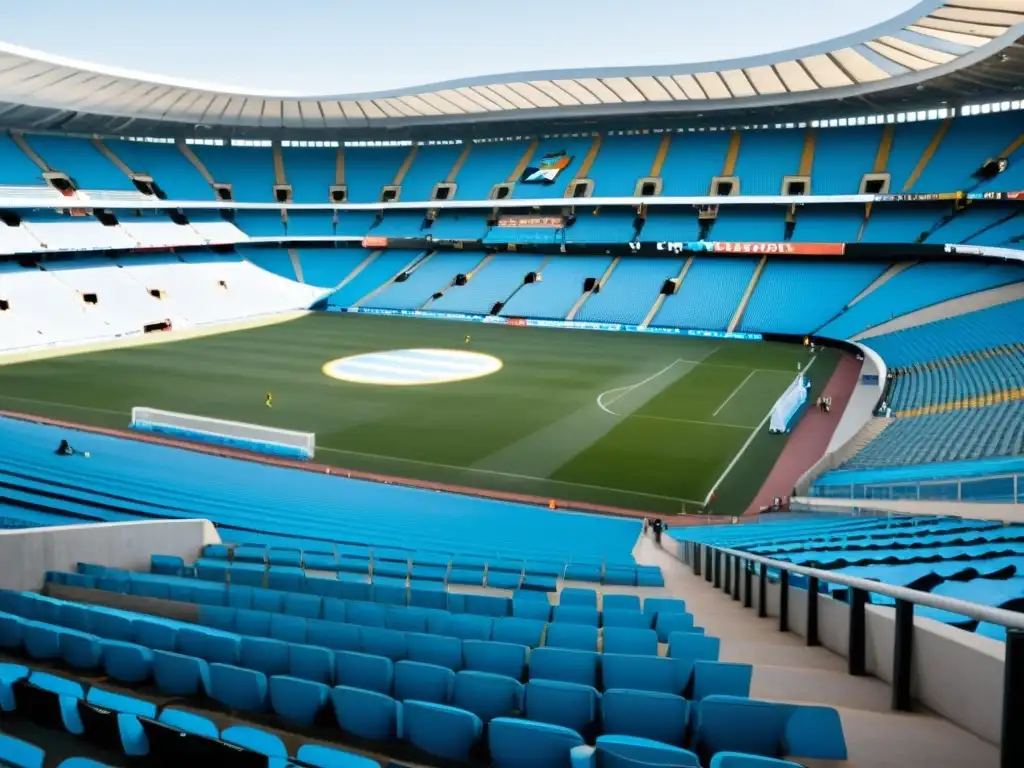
734	393
623	391
746	445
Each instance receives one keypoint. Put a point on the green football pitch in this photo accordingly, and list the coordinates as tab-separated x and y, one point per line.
630	420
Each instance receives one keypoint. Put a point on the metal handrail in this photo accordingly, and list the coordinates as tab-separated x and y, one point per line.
952	605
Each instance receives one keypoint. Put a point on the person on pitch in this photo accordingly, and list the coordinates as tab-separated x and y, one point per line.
270	400
468	339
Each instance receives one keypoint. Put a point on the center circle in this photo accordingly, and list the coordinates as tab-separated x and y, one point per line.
412	367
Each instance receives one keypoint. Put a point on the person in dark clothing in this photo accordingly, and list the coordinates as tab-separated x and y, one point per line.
657	526
65	449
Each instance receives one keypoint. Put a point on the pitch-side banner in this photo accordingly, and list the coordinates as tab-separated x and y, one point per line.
791	249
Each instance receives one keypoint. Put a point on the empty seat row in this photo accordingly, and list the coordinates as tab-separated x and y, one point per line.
666	615
131	647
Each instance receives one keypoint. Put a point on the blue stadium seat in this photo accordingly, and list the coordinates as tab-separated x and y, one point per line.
687	645
738	760
127	662
487	696
532	610
366	714
645	673
517	631
107	716
384	642
614	617
259	741
498	658
566	665
770	729
310	662
325	757
575	636
575	596
435	649
440	730
176	674
365	671
20	754
264	655
333	635
525	744
41	641
10	674
720	678
567	704
424	682
189	722
624	640
658	716
80	649
667	623
297	700
616	751
237	688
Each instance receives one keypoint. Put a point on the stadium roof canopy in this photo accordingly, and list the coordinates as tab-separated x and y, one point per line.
940	51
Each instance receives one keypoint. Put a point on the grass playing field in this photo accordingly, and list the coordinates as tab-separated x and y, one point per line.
648	422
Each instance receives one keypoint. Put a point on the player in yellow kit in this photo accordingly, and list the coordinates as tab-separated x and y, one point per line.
270	400
468	339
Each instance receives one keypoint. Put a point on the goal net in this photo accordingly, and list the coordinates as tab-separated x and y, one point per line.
788	406
233	434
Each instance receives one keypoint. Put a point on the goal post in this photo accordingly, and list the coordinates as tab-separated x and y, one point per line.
232	434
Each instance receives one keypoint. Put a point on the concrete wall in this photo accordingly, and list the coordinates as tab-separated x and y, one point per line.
27	554
956	674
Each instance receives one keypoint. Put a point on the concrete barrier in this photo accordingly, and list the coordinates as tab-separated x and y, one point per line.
27	554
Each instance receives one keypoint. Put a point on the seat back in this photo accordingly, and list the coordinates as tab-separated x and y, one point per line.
631	752
296	700
366	714
498	658
645	673
486	695
424	682
630	641
658	716
567	704
518	631
365	671
565	665
446	732
525	744
577	637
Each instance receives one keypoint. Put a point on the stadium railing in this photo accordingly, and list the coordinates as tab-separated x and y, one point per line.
1000	489
956	680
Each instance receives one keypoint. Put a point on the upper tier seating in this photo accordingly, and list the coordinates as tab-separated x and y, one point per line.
311	171
169	168
327	267
918	286
494	282
627	296
560	286
797	297
709	294
432	274
384	267
249	170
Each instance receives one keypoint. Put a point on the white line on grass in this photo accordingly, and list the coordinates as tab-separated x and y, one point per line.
502	474
64	405
691	421
743	449
730	397
626	390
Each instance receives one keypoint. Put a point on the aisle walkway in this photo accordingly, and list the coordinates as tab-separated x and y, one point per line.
786	670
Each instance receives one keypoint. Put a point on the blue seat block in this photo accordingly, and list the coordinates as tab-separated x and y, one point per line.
637	641
254	553
489	605
288	629
69	694
534	610
259	741
362	670
208	644
440	730
289	557
614	617
720	678
167	565
286	578
567	704
487	696
667	623
304	606
20	754
325	757
421	572
424	682
41	641
264	655
76	617
384	642
129	709
624	575
237	688
11	631
324	587
366	614
583	572
407	619
503	580
525	744
333	635
581	598
658	716
425	594
127	662
739	760
645	673
390	594
649	576
688	645
320	561
539	582
466	577
620	603
299	701
356	587
217	617
189	722
769	729
267	600
497	658
576	614
178	675
528	632
10	674
335	609
575	636
658	605
615	751
252	623
310	662
565	665
80	649
435	649
366	714
465	626
112	626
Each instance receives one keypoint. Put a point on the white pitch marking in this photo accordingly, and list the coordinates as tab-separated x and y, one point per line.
730	397
743	449
626	390
412	367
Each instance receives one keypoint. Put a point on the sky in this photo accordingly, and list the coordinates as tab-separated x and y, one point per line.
327	47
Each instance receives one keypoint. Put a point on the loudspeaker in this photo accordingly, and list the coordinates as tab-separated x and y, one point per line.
589	283
498	306
460	279
668	287
531	277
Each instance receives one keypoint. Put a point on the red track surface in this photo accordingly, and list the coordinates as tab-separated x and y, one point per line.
811	437
341	472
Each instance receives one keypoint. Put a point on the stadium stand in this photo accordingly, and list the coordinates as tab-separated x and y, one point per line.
628	294
431	275
709	294
560	287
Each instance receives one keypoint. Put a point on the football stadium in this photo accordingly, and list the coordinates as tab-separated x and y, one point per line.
649	416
